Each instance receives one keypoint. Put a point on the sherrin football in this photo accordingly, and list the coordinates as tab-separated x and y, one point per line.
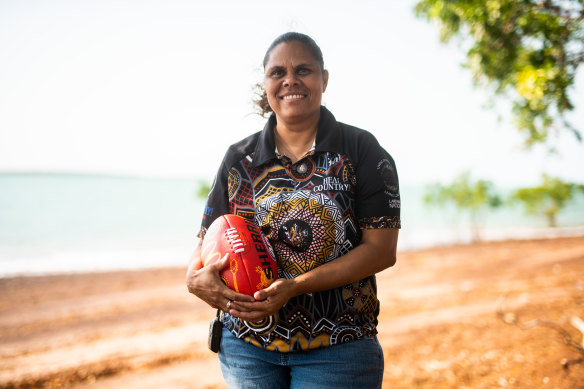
252	265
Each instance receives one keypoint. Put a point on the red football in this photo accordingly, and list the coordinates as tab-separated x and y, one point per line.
252	265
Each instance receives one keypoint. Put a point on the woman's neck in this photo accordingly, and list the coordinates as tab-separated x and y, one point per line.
294	141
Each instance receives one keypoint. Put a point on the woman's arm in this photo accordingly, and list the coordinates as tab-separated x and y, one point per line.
376	252
206	284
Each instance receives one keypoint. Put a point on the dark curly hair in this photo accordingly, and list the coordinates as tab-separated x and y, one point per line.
261	97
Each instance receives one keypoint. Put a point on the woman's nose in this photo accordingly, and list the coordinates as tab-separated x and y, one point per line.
290	80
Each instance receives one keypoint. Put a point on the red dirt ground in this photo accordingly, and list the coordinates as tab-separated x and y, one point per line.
438	324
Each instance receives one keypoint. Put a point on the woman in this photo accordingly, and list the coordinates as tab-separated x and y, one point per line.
326	196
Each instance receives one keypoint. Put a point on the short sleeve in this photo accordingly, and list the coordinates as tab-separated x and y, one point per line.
378	201
217	202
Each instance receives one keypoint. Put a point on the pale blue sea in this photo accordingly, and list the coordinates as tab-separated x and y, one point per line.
54	223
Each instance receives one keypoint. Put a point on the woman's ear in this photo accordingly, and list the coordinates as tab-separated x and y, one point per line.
325	76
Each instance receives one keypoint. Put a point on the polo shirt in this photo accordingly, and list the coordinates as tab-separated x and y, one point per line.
312	212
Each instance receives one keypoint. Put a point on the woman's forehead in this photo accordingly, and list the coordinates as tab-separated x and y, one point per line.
294	53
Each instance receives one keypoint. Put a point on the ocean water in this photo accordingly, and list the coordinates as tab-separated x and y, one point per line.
55	223
52	223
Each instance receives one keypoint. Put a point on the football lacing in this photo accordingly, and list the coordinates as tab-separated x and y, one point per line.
236	243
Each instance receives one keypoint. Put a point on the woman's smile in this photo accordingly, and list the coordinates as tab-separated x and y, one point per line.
293	97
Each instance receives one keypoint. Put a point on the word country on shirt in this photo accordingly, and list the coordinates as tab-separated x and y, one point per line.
332	183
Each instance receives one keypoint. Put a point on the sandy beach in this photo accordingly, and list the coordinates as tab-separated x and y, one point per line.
438	324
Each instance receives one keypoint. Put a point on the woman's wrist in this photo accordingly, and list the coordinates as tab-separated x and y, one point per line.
299	285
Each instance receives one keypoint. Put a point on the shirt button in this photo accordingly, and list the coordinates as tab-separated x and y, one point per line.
302	168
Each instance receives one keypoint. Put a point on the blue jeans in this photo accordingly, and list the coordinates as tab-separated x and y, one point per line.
356	364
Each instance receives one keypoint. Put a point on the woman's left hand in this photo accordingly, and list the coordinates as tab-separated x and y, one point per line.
268	301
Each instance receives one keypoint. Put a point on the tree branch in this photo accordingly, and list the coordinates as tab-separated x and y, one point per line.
512	319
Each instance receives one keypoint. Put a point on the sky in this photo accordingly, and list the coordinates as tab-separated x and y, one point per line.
161	88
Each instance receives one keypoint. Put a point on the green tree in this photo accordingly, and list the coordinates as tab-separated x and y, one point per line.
466	195
548	198
527	50
203	189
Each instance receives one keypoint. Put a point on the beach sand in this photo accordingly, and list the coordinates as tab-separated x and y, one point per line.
438	324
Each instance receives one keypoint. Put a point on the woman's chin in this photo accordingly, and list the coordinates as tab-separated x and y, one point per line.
297	112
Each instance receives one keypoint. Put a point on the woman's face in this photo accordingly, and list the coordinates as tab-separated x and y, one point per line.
294	82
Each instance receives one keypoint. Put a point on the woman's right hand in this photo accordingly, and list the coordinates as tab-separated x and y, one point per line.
205	283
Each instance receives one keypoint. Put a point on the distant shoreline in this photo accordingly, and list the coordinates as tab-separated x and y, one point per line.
553	235
70	222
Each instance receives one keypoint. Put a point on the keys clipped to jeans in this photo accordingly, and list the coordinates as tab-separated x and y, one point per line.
215	329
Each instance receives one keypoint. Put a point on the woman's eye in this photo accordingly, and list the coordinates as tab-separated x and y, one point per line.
277	73
303	71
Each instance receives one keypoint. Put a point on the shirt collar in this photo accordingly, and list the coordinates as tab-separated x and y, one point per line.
327	138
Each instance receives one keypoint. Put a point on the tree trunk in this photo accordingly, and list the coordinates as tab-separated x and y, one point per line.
551	218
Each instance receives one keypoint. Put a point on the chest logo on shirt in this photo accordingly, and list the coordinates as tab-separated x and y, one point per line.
297	234
306	230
